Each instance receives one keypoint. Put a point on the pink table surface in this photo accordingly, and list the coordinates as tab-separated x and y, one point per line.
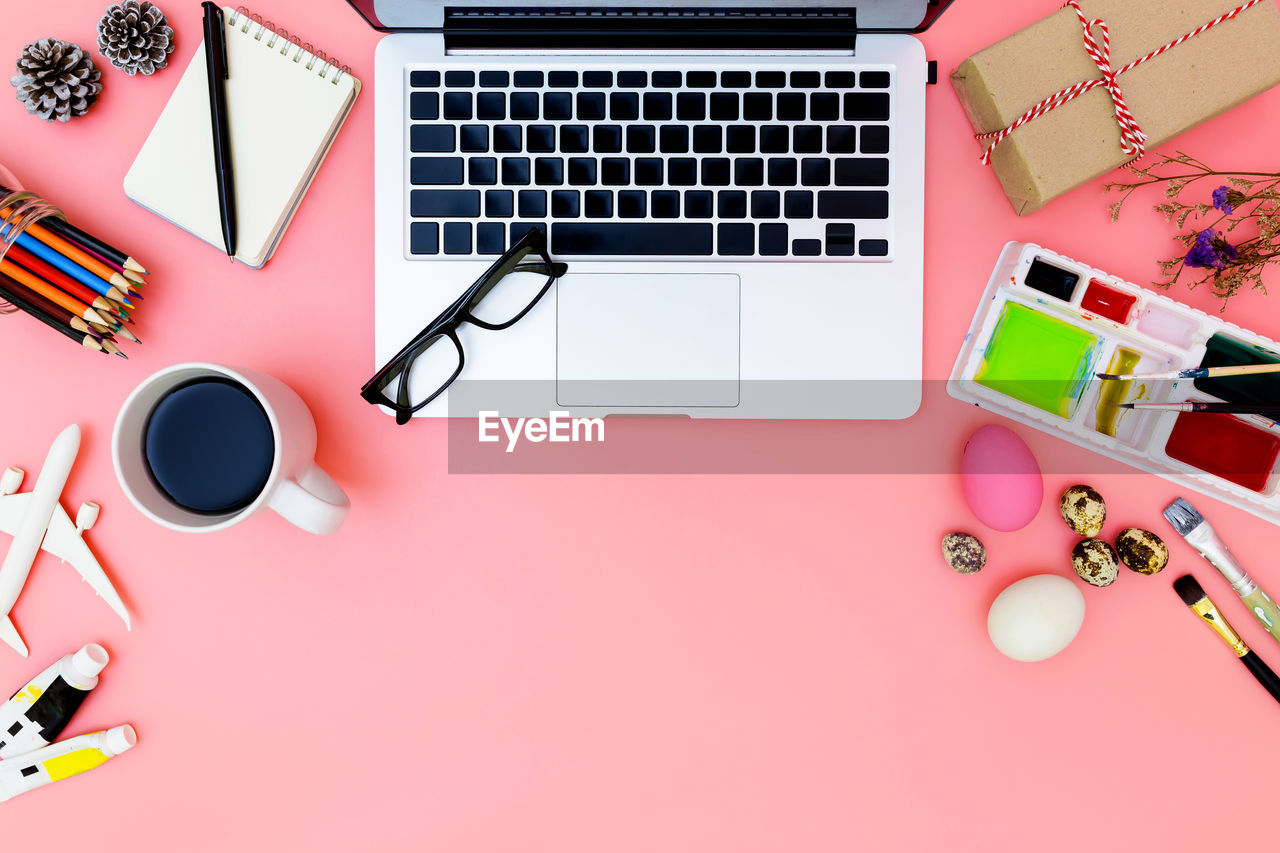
606	663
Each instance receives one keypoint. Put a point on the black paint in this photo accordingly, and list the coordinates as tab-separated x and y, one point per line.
1055	281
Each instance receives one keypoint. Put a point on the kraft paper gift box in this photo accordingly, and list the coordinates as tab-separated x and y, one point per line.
1080	140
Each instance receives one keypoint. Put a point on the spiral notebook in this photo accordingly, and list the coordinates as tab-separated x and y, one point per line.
287	104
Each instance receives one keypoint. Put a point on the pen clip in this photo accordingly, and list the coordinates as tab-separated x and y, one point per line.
222	42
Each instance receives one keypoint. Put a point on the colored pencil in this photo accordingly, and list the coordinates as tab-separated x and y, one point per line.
110	254
39	285
13	296
30	262
70	262
1199	372
59	313
1204	406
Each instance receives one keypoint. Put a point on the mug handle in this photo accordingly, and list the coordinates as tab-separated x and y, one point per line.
312	501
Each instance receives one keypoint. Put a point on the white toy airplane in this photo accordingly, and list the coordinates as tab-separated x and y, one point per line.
36	520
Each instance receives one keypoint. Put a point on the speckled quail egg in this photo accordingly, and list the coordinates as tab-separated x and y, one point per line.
963	552
1095	562
1083	509
1142	550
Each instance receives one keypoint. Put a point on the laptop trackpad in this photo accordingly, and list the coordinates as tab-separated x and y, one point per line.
647	339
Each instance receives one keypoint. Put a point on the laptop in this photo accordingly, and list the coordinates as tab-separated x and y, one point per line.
737	189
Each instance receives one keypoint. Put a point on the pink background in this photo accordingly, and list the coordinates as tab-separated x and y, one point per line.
591	663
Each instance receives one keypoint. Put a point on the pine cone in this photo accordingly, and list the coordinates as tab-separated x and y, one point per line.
135	37
56	80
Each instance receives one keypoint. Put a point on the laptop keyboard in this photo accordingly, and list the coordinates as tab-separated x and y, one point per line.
698	164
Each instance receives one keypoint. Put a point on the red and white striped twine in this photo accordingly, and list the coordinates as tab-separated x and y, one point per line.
1132	139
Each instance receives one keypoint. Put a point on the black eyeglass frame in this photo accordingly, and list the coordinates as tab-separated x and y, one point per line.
446	324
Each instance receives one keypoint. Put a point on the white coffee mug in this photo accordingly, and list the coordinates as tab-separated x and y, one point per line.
297	487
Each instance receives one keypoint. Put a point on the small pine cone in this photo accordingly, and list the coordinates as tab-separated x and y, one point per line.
56	80
135	37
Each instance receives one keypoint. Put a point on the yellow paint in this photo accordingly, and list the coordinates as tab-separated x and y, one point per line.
28	695
74	762
1113	391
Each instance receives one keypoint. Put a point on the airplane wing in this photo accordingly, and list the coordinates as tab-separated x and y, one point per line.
65	542
11	509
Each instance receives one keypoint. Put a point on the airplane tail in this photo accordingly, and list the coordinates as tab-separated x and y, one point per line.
9	634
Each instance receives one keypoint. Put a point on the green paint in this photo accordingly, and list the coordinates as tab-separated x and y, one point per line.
1038	359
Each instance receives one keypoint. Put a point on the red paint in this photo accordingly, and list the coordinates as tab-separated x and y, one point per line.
1107	302
1225	446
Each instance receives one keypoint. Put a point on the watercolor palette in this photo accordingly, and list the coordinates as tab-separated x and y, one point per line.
1046	324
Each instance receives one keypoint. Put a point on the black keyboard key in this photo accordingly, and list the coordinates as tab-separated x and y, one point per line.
804	248
773	239
691	106
698	204
708	139
875	79
648	172
607	138
715	172
673	139
731	204
582	171
806	139
862	172
424	237
435	170
682	171
482	171
774	139
853	204
540	138
824	106
431	137
474	138
524	105
515	171
615	171
457	238
771	79
757	106
519	229
630	238
424	106
531	203
667	79
805	80
557	106
875	139
493	79
457	105
782	172
815	172
574	138
548	171
740	139
633	79
598	204
791	106
506	138
491	237
735	79
590	106
624	106
657	106
564	204
748	172
597	79
866	106
664	204
528	79
424	79
459	79
842	139
839	79
797	204
734	238
873	248
724	106
641	139
562	79
766	204
700	80
631	204
499	204
839	239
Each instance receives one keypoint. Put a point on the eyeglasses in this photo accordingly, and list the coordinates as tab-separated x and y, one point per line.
497	300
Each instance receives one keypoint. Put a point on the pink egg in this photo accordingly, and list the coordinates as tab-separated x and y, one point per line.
1000	478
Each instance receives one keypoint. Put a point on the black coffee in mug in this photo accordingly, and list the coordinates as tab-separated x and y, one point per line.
208	446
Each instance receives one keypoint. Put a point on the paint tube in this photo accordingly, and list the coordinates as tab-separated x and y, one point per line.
37	714
62	759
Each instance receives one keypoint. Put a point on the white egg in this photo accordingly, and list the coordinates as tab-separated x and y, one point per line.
1036	617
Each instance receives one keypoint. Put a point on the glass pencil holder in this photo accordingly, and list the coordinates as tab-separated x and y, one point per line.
19	210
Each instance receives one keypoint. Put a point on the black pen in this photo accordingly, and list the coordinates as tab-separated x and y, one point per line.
215	54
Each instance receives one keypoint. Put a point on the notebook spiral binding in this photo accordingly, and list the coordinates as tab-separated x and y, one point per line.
301	51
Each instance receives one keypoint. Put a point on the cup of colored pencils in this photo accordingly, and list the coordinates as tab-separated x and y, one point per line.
68	279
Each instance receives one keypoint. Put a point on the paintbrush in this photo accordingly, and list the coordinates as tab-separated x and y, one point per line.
1200	535
1192	595
1205	406
1198	372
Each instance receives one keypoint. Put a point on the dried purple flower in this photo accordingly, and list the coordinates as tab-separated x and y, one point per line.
1221	200
1211	250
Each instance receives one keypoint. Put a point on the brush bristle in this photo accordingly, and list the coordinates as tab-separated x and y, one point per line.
1107	375
1188	589
1183	516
